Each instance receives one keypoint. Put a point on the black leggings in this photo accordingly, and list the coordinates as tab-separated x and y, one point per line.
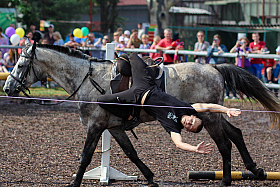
142	80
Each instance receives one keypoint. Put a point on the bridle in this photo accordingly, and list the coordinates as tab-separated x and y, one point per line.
21	80
22	87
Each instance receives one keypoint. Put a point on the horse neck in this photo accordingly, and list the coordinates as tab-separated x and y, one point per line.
68	71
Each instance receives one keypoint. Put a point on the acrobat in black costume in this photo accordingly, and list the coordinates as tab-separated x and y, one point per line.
143	81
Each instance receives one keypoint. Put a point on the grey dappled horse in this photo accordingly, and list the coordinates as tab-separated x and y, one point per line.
190	82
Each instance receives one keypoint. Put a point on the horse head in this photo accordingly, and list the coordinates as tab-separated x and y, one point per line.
25	72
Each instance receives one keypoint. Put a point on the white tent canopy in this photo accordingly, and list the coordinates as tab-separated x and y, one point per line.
186	10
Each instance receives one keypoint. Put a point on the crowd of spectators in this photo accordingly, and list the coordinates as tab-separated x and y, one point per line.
265	69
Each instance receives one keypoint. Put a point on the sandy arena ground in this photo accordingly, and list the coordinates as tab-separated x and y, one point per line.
41	146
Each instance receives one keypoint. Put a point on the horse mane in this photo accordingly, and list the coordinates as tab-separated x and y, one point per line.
64	49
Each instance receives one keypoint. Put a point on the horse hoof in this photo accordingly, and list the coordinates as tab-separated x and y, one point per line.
71	185
260	174
225	183
153	184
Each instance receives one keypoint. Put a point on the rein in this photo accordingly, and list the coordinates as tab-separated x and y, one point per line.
22	87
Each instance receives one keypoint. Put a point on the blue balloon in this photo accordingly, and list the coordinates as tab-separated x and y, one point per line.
78	40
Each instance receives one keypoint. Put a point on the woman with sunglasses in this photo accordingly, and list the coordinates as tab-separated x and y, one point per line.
105	40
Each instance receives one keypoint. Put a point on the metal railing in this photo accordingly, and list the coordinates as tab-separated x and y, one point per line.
181	52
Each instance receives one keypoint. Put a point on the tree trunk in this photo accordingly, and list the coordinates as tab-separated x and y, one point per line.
108	14
159	13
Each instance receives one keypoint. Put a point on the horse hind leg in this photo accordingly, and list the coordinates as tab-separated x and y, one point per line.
212	124
235	135
126	145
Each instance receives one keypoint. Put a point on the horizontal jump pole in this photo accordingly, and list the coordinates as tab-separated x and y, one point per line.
238	175
3	76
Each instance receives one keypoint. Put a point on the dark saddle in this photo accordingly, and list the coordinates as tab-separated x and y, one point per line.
121	81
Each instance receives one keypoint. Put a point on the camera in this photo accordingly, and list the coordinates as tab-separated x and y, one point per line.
240	42
215	39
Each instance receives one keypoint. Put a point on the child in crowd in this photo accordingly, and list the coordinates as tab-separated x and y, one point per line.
126	36
10	60
2	66
156	40
145	44
241	47
121	46
72	43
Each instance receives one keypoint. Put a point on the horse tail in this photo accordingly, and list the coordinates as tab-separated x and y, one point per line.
241	80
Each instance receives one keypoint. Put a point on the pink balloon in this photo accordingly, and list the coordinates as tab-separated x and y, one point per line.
10	31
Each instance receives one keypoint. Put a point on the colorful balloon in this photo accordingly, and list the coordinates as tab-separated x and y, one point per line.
78	33
15	39
20	32
85	31
10	31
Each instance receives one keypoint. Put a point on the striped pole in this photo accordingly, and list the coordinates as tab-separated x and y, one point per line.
3	76
238	175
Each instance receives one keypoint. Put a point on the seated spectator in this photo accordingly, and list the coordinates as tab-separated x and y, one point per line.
10	60
134	41
105	40
216	47
272	74
3	41
2	64
141	31
121	46
49	35
126	35
267	64
156	40
44	41
37	35
120	30
116	38
71	42
200	45
178	58
58	39
145	44
29	36
91	41
241	47
177	45
166	44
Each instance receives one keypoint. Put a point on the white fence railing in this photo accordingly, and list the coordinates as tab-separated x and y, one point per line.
182	52
188	52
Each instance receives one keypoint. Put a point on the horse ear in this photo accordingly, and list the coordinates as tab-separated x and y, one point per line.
27	41
33	47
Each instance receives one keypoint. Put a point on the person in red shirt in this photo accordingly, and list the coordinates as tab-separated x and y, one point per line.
166	44
156	40
257	47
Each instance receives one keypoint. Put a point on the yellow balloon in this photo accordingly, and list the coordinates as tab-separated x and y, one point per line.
78	33
20	32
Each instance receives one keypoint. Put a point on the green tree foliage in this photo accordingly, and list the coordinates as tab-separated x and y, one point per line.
34	11
109	15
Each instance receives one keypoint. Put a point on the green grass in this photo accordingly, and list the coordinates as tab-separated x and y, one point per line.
42	92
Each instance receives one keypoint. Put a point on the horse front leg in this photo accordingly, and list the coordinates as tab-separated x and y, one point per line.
212	124
126	145
93	136
235	135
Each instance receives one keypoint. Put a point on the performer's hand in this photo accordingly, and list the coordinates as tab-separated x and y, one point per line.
233	112
204	149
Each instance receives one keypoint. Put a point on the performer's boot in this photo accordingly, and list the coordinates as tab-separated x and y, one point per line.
130	124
